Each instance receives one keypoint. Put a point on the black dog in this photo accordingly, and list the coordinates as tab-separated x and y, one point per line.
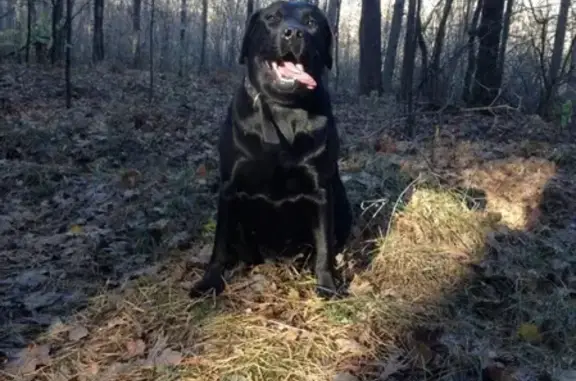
280	185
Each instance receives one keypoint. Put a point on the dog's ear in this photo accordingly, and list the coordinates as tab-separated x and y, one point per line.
329	38
250	25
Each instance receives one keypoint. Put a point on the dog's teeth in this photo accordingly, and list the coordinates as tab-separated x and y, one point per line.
300	67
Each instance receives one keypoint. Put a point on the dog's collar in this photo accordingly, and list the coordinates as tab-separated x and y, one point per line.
251	91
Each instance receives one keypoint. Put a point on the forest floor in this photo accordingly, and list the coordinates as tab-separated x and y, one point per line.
461	264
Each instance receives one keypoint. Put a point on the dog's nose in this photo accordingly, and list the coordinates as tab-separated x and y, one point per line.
292	33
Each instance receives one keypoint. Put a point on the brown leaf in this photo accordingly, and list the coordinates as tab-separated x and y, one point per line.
350	346
28	359
135	348
359	286
168	357
201	171
161	355
129	178
77	333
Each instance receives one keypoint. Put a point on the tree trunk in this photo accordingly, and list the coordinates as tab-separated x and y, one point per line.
409	53
183	25
249	9
505	33
559	37
68	66
472	33
233	55
487	82
98	36
422	46
2	15
57	50
29	22
432	83
392	46
151	53
202	65
546	101
333	14
136	33
370	67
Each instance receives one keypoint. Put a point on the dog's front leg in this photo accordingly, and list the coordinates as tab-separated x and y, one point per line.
221	255
324	243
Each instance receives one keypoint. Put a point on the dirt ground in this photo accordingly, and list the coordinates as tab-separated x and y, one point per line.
461	264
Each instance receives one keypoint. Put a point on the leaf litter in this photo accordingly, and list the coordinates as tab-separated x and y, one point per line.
108	215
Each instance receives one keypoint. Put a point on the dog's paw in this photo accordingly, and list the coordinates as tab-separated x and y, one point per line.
207	284
325	287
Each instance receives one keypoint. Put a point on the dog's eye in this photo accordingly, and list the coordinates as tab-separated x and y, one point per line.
272	17
311	22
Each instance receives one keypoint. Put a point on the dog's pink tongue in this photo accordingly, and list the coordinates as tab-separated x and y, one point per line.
288	69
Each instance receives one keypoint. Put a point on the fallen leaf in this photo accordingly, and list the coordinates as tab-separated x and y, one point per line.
92	369
40	299
159	354
130	177
201	171
350	346
76	229
566	375
168	357
529	332
28	359
204	254
291	335
77	333
235	377
424	352
293	293
393	364
135	348
359	286
497	372
345	376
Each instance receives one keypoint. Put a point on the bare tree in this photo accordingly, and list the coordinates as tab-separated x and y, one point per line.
370	78
392	47
432	82
29	22
421	45
183	26
202	65
559	37
57	49
333	13
471	68
98	36
487	82
505	33
249	9
68	65
2	15
136	33
151	56
409	52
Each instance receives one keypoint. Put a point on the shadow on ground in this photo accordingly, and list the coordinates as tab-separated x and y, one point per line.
96	195
506	299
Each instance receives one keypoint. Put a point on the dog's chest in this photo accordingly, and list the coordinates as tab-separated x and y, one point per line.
278	171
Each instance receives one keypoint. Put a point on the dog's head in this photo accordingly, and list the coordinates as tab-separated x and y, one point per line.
286	47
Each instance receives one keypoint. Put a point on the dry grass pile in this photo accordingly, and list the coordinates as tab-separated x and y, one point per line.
443	285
